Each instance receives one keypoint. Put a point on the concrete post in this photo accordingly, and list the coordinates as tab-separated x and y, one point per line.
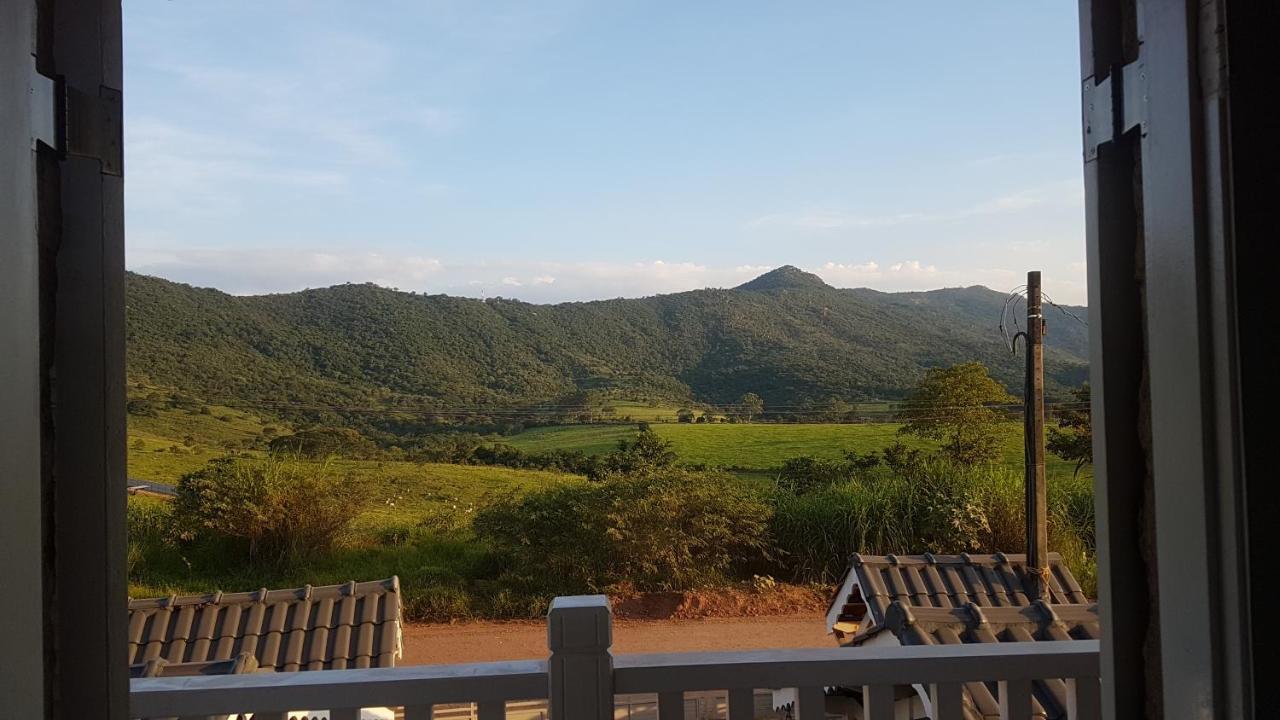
580	669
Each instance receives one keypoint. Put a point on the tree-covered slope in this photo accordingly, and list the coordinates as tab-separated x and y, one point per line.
787	336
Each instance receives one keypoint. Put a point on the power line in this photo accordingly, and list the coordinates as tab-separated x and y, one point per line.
896	407
1063	310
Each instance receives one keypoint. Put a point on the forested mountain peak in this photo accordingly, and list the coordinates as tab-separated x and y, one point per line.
787	277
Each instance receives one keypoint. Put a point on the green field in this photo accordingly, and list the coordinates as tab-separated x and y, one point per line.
409	494
175	441
755	447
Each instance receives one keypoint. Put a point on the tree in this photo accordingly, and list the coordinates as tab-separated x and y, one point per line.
321	442
646	453
834	410
684	415
1072	440
953	405
750	405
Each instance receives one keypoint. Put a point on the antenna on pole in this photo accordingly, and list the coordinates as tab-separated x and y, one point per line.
1033	438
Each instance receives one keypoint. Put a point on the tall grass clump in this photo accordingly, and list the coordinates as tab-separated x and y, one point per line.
150	533
275	510
929	505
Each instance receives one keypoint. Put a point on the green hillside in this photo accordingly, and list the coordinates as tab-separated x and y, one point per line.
360	350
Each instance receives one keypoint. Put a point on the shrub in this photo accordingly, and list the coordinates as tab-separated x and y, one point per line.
646	453
141	408
274	510
805	474
322	442
660	529
862	461
570	461
901	458
458	448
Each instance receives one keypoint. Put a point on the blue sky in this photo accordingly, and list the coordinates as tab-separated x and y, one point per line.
563	150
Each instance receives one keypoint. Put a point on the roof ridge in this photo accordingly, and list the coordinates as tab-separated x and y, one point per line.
265	595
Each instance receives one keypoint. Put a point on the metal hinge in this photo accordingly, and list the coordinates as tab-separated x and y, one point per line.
76	123
47	110
1114	106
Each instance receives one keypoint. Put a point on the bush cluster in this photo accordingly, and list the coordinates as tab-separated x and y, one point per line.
663	528
274	510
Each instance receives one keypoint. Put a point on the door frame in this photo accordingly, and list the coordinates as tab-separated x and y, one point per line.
62	416
1166	354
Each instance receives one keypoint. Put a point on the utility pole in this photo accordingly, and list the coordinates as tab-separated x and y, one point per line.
1033	434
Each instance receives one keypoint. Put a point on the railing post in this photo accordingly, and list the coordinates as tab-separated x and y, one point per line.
878	702
947	701
1084	698
580	669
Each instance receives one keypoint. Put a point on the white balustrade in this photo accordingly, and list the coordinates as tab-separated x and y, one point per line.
581	679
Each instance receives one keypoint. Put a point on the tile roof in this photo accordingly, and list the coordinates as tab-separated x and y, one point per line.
353	625
957	599
873	582
975	624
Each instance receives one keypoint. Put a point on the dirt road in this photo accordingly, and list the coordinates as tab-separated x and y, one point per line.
487	641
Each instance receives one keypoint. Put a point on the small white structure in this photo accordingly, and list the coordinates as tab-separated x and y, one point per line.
931	600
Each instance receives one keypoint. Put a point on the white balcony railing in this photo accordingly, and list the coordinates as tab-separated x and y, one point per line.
581	679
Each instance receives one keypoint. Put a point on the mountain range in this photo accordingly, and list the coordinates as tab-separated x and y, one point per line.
786	335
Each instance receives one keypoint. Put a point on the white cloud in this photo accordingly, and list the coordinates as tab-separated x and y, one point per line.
895	276
241	271
912	267
869	267
281	270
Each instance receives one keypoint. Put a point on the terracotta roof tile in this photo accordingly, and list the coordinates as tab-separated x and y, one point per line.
306	628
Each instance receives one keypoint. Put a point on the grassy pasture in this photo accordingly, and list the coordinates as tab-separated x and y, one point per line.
643	412
404	494
175	441
756	446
